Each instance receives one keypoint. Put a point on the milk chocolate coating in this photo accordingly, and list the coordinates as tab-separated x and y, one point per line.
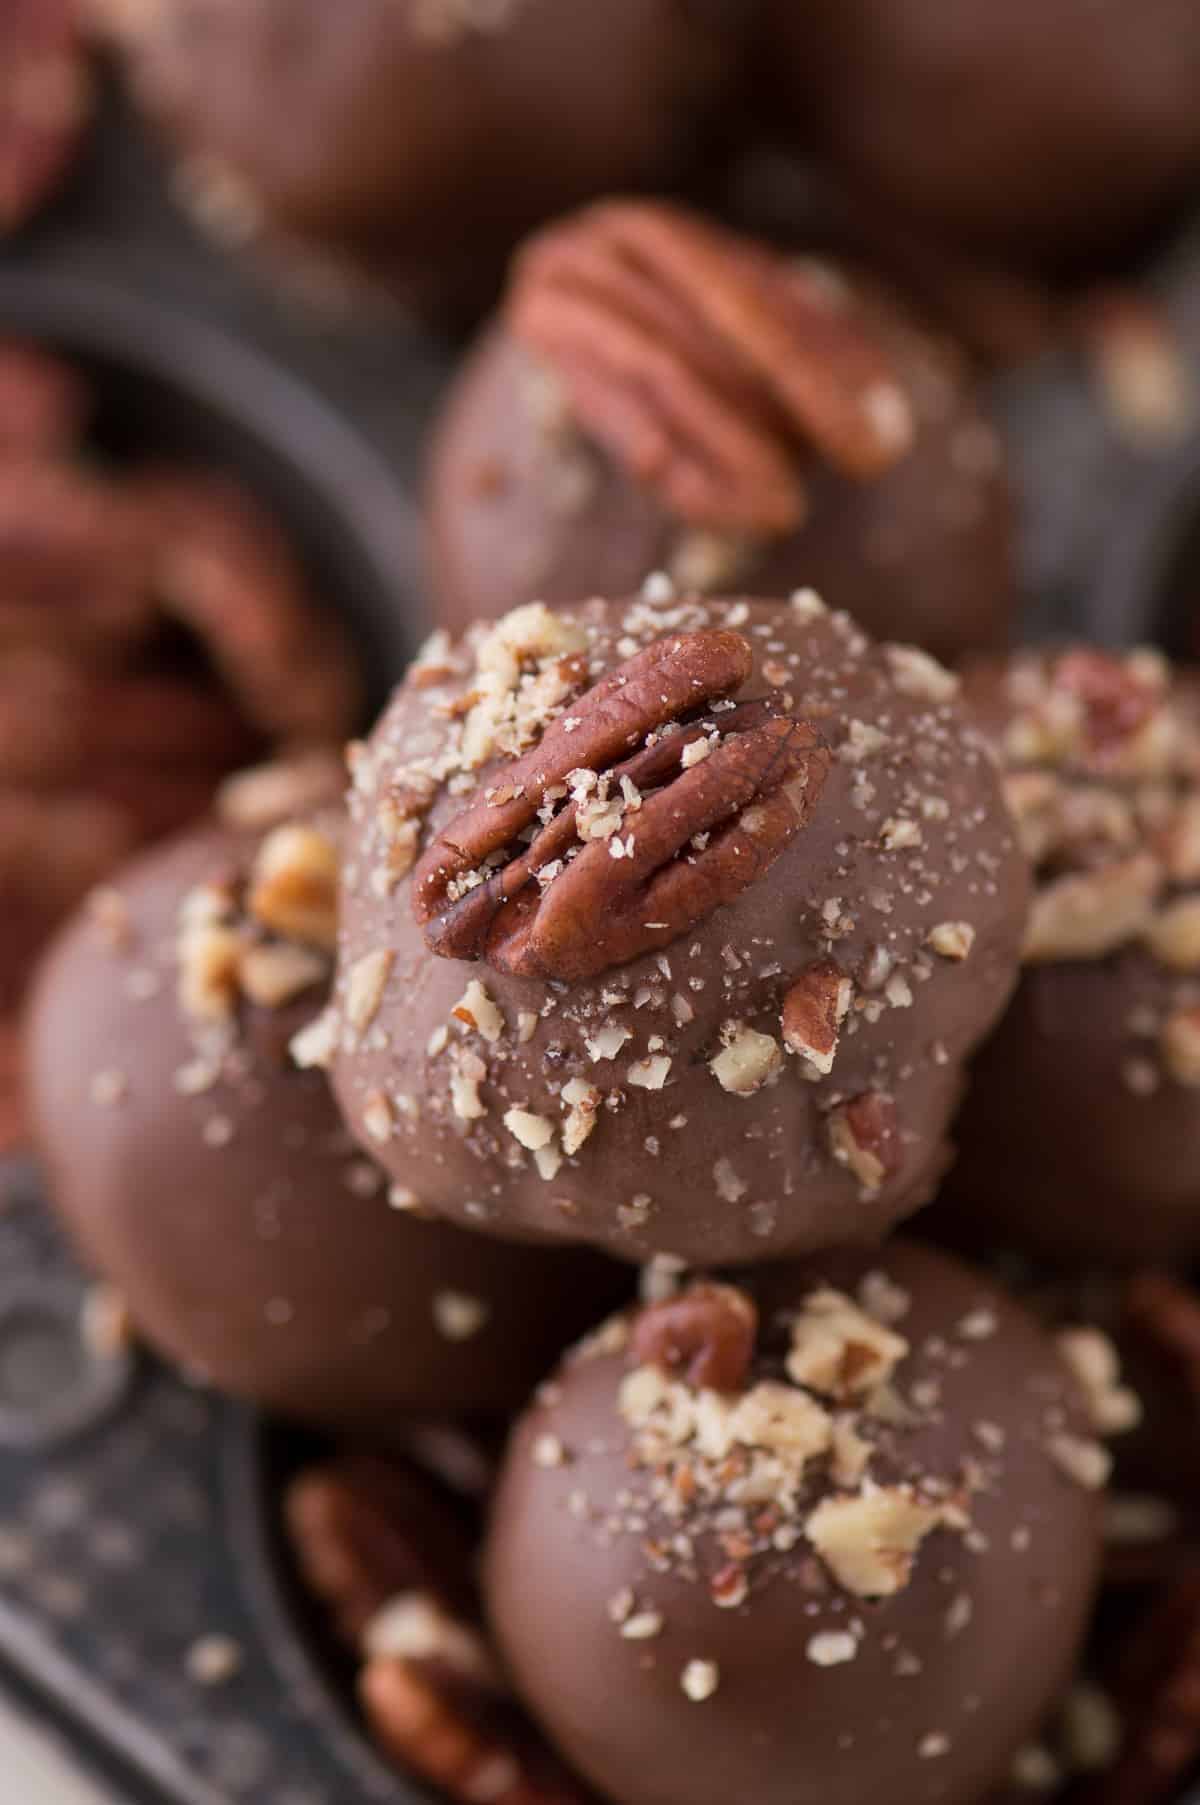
521	503
1041	136
423	137
252	1243
1080	1136
675	1162
822	1696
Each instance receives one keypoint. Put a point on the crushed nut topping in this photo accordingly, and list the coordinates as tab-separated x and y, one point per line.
839	1351
869	1542
747	1059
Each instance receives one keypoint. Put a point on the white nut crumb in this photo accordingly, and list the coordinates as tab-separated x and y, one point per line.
457	1316
212	1660
313	1047
649	1074
642	1626
530	1130
476	1009
831	1648
869	1542
747	1061
1084	1461
700	1680
365	986
951	939
378	1117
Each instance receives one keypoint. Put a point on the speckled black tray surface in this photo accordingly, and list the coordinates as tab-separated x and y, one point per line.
136	1517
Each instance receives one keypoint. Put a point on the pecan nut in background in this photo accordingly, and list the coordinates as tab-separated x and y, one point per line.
45	101
157	633
662	394
223	568
714	806
74	563
372	1540
700	361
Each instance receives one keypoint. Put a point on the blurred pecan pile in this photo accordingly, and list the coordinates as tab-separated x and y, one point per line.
380	1545
156	633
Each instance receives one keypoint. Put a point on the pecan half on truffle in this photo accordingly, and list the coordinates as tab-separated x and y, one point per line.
659	393
668	924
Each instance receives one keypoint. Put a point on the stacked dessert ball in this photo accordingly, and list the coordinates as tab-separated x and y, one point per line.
1081	1136
659	394
667	927
196	1158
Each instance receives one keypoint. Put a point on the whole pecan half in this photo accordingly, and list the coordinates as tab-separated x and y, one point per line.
704	1335
707	365
712	799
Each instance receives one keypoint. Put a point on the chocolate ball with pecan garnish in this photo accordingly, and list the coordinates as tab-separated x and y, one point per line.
201	1168
45	102
1081	1132
668	925
1039	137
661	394
828	1537
419	139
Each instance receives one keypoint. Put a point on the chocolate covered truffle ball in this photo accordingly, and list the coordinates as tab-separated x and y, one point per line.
660	394
667	926
1081	1132
826	1538
207	1175
421	138
1038	135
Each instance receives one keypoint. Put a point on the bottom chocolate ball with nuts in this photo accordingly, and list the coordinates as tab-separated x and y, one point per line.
1081	1132
826	1538
195	1156
668	925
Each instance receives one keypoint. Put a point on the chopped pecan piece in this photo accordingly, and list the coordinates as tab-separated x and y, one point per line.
708	366
704	1335
1089	913
1116	696
864	1136
813	1012
618	897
